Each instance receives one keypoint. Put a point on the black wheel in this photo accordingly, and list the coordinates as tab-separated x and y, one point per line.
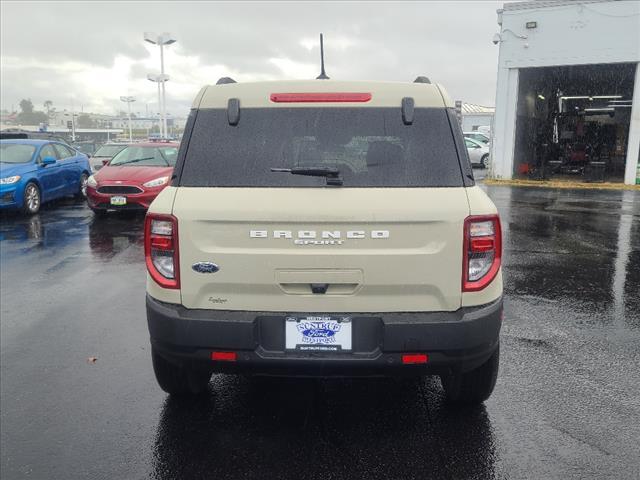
82	191
178	380
484	161
472	387
32	199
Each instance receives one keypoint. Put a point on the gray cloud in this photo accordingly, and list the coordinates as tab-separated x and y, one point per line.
447	41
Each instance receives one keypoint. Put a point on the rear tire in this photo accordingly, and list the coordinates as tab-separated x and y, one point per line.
483	161
31	199
178	380
474	387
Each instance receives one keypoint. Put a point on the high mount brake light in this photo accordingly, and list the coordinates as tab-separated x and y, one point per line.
161	249
482	251
329	97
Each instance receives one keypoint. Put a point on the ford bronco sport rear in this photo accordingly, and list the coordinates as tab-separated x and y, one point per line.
324	228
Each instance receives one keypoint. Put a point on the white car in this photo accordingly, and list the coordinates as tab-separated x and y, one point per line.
478	152
481	137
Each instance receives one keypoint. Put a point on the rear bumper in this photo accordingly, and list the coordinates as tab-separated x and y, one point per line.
454	341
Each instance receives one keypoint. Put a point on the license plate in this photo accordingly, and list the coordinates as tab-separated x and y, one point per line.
318	333
118	200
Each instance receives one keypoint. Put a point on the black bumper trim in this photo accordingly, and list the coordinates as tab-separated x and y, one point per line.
454	341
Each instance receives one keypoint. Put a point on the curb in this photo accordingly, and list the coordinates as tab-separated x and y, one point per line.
560	184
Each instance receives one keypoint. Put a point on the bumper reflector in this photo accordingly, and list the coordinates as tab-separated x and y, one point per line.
414	358
224	356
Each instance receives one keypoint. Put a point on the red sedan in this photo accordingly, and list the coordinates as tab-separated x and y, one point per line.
133	178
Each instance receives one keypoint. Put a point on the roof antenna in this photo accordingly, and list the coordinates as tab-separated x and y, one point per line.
323	75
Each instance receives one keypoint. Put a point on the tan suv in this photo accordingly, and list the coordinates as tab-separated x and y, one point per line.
321	228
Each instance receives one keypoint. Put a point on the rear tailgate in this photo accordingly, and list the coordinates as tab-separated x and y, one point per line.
373	250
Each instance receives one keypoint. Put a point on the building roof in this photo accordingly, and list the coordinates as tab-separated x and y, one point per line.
473	109
536	4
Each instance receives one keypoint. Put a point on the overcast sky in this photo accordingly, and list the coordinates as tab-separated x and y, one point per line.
91	53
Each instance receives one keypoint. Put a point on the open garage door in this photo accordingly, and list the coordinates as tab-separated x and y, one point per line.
573	122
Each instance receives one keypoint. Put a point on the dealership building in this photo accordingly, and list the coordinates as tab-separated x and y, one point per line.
568	91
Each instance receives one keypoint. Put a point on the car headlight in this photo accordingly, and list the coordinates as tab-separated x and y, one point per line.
9	180
156	182
91	181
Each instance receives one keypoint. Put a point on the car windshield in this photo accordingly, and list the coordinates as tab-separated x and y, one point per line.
16	153
369	147
85	147
146	157
109	150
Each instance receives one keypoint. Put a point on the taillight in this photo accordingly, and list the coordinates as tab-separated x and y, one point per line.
161	249
482	251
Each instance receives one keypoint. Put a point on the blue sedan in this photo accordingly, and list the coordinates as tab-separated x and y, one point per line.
36	171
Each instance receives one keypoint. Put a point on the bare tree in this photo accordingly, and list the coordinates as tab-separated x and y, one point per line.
47	106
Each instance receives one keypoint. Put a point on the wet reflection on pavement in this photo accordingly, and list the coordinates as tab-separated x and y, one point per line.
565	406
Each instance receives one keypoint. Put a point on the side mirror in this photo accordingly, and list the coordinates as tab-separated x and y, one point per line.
104	162
48	161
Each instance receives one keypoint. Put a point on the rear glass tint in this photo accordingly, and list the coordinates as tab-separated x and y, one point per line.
371	147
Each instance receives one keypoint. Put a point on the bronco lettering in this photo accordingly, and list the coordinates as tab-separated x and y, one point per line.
324	234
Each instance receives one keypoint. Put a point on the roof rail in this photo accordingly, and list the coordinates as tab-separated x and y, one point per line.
422	79
225	80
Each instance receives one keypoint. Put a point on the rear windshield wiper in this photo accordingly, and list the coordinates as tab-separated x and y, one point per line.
331	174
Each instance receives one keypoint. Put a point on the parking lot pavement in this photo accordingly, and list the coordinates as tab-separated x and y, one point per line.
79	400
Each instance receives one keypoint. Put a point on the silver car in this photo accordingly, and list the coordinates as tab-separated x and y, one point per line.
481	137
103	154
478	152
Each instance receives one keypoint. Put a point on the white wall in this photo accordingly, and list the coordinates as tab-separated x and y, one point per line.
633	147
566	34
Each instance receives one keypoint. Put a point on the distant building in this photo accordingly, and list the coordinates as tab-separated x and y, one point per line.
137	123
81	134
568	90
476	116
7	118
100	127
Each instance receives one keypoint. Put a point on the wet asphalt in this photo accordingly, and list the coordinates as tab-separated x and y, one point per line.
566	405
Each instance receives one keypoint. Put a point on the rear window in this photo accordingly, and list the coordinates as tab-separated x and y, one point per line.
371	147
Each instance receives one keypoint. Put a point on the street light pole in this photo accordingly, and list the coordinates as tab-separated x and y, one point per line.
160	131
164	93
128	100
161	40
159	79
73	125
73	122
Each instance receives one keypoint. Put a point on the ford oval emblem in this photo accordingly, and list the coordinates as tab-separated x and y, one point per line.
205	267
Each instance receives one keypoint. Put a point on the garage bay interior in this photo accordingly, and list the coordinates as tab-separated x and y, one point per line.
573	122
